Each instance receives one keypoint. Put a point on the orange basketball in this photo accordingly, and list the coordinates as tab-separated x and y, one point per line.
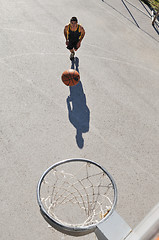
70	77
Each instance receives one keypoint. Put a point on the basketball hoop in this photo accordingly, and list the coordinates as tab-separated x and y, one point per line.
76	195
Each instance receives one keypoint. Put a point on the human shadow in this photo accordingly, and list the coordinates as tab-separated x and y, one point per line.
78	111
75	64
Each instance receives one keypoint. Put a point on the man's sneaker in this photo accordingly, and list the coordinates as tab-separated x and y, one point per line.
72	56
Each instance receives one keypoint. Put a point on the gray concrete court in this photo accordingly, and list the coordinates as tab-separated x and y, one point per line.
119	69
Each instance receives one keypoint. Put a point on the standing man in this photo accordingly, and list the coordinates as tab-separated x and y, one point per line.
74	33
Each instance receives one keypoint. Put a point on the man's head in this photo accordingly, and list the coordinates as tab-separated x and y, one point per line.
73	22
73	19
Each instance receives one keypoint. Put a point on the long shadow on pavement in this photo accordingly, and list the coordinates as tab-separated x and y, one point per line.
78	111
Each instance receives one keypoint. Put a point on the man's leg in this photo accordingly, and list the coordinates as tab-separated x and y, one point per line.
72	54
72	47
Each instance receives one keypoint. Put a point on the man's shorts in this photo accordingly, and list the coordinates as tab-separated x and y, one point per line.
72	45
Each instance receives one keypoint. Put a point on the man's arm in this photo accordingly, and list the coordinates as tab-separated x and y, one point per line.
82	33
65	31
66	35
81	37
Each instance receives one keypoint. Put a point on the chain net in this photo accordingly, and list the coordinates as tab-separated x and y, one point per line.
77	194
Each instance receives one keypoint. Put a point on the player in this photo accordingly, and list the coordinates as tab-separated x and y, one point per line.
74	34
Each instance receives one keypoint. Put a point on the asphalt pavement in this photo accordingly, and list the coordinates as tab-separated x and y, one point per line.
115	121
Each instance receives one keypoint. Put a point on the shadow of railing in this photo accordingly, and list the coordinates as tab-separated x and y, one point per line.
115	9
132	16
130	13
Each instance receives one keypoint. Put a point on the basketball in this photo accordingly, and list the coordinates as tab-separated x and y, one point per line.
70	77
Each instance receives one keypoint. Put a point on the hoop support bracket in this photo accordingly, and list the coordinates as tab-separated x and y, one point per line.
113	228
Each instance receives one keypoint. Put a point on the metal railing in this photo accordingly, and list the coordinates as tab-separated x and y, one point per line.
155	10
154	16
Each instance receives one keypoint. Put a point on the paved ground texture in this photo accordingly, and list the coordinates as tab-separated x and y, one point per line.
118	65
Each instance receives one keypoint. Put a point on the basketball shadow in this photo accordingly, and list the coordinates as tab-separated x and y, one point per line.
78	111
